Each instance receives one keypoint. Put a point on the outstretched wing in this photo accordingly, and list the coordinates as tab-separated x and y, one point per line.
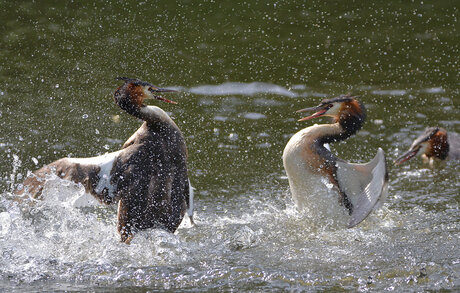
364	184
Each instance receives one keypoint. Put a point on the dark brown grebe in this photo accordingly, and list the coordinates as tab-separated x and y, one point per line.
147	177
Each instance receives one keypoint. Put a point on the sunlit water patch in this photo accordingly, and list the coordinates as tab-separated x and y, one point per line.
254	116
239	88
392	92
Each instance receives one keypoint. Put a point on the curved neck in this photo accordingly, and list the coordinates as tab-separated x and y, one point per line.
154	115
325	133
345	126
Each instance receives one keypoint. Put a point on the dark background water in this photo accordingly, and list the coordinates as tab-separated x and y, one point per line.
59	60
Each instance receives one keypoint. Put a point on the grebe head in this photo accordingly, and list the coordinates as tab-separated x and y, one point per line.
132	93
345	109
432	143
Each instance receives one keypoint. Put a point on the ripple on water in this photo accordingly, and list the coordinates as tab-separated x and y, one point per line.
220	118
392	92
239	88
433	90
254	116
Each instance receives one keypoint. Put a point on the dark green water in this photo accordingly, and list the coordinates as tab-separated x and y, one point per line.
243	68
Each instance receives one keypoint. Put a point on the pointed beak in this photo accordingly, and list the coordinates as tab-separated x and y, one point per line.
160	90
319	112
406	156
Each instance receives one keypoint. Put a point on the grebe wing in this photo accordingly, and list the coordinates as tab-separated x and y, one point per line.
190	203
364	184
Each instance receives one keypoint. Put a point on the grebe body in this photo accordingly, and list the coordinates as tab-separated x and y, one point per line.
147	177
433	144
310	165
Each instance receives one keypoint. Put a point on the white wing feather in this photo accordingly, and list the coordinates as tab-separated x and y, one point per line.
364	184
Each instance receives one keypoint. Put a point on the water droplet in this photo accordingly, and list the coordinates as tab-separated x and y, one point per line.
233	136
116	118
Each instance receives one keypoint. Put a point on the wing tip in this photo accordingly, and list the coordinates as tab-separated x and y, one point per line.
369	205
190	200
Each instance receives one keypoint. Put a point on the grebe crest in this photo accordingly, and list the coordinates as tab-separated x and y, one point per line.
307	162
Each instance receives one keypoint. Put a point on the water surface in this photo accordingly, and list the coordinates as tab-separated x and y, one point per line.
242	70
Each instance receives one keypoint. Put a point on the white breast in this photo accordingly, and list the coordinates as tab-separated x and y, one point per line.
312	193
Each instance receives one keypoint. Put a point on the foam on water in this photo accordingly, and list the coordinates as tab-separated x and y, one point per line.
257	234
71	235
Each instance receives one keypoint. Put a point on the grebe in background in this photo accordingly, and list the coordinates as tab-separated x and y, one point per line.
147	177
308	161
433	144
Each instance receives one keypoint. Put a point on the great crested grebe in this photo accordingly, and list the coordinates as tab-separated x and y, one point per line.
307	161
433	144
147	177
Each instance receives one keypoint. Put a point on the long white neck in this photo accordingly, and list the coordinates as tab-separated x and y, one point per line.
307	146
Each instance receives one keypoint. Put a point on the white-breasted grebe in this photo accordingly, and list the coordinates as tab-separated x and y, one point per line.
308	161
147	177
433	143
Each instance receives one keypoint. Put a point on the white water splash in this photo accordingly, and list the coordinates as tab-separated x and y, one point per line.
68	237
